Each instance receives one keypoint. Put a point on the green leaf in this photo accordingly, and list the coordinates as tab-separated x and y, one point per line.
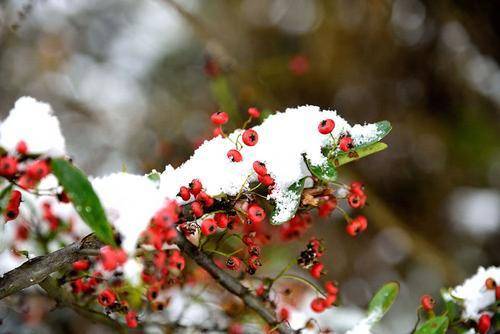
452	308
358	153
4	197
383	127
293	195
325	172
382	301
437	325
82	195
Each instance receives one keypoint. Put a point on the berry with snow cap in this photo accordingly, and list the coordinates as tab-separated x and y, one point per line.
234	155
326	126
250	137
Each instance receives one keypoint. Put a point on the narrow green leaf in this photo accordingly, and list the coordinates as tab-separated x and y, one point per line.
437	325
325	172
82	195
358	153
293	196
452	308
382	301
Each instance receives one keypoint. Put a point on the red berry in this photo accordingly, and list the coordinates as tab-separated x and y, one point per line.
256	214
131	319
233	263
111	257
81	265
254	262
106	298
356	226
284	314
197	209
484	324
250	137
254	112
12	208
317	269
266	180
345	144
326	208
8	166
222	219
427	303
184	193
318	305
38	169
195	187
497	293
217	131
331	288
234	155
219	118
208	226
21	147
205	199
490	283
330	300
326	126
259	168
299	65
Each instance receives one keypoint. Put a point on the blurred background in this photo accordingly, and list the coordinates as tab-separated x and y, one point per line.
134	82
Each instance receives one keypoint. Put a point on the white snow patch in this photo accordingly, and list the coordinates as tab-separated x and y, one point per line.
33	122
366	324
130	202
474	294
283	140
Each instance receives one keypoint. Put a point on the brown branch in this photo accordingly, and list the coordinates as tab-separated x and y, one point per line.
232	285
35	270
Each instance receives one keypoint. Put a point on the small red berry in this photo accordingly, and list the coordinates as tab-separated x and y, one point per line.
266	180
345	144
254	262
217	131
197	209
331	288
299	65
205	199
330	300
195	187
8	166
222	219
326	208
208	226
356	226
317	269
427	303
484	324
259	168
106	298
12	208
284	314
234	155
490	283
219	118
131	319
233	263
21	147
318	305
81	265
326	126
111	257
254	112
250	137
38	169
184	193
256	214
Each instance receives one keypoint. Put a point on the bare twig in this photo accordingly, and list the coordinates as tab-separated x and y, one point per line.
35	270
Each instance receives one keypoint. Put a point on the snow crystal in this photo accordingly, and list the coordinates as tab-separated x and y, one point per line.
283	140
33	122
130	202
475	297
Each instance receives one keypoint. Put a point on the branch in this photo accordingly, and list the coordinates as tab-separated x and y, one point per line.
35	270
232	285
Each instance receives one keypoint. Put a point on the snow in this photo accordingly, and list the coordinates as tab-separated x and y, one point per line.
33	122
283	139
130	202
475	297
366	324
